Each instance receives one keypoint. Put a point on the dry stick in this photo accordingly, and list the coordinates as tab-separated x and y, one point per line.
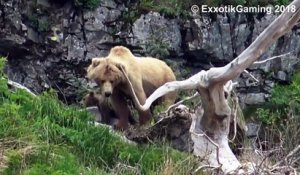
274	57
264	159
294	151
235	118
263	61
296	160
180	102
251	75
19	86
289	168
206	166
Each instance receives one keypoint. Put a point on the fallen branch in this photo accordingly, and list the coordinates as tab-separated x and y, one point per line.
19	86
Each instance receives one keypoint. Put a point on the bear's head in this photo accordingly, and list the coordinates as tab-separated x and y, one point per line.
107	74
95	62
91	99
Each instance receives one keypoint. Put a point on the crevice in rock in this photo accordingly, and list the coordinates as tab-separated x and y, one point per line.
84	35
233	35
221	34
2	15
251	22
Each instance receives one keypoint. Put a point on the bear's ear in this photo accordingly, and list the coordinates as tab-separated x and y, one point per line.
96	61
91	93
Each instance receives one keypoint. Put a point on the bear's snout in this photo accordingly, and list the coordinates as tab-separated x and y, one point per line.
107	94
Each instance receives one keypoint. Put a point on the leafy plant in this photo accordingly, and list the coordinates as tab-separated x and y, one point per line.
36	18
282	2
87	4
267	117
156	46
158	49
284	96
285	100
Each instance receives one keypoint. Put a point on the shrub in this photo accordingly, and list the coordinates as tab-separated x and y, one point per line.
156	46
285	101
281	120
87	4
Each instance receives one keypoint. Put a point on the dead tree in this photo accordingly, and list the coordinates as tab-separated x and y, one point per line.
210	130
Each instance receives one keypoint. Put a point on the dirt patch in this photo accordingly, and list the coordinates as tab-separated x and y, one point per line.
3	158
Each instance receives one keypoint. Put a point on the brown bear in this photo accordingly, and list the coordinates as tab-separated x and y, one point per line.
107	114
145	73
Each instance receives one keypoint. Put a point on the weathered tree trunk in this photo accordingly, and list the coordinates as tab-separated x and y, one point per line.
210	131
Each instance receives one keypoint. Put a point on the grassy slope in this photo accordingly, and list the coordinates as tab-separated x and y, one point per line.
40	135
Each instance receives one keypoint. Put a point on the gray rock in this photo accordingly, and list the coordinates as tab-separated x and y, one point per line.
288	63
108	3
253	129
76	48
269	86
281	76
252	98
152	28
94	111
24	27
44	3
99	38
213	38
96	20
32	35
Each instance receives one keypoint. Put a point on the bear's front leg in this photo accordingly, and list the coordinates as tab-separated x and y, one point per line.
120	106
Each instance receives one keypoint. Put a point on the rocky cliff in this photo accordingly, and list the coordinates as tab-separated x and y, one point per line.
49	43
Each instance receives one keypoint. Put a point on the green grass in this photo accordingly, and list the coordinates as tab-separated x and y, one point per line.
41	135
280	118
285	101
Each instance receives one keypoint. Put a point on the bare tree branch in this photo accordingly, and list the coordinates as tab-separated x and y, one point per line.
212	85
221	75
19	86
180	102
272	58
276	29
247	72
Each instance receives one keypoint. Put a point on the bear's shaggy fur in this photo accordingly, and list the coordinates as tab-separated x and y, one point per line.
104	108
108	115
145	73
